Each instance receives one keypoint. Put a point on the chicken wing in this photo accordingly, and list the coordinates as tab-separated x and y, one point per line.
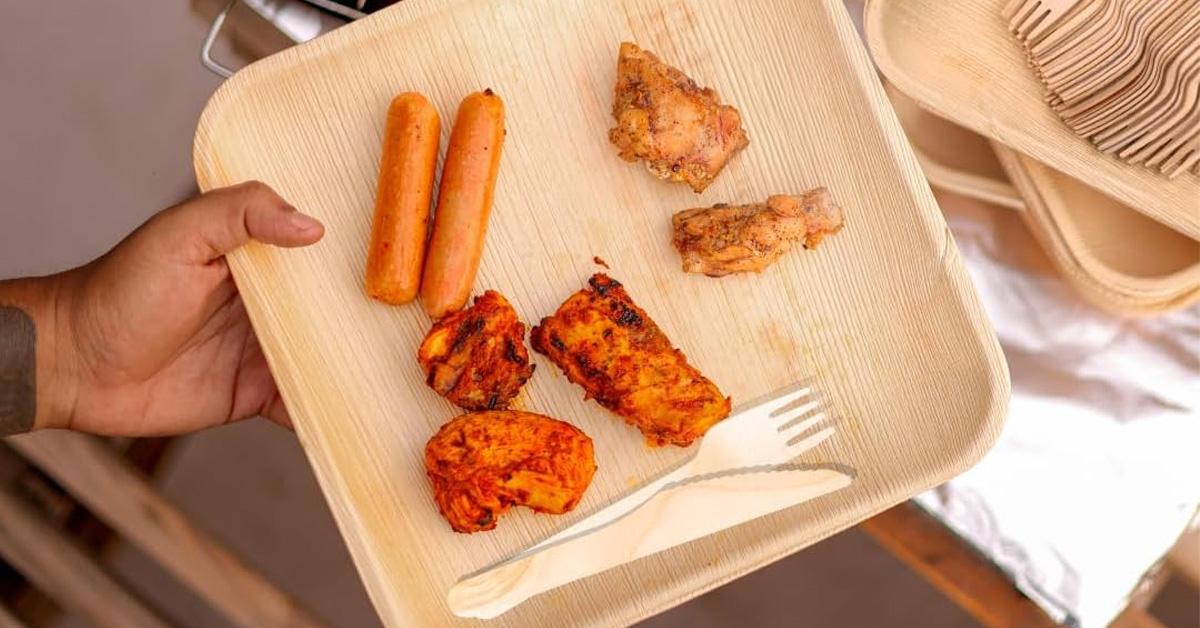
720	240
483	463
608	345
476	357
682	132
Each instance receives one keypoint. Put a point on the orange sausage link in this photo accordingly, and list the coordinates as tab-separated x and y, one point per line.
464	203
406	172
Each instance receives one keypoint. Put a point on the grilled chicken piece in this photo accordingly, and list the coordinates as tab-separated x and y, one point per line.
720	240
476	357
682	132
604	342
483	463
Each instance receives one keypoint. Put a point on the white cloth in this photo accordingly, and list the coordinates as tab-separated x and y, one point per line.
1097	472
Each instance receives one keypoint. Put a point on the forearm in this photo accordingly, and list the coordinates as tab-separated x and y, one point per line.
35	388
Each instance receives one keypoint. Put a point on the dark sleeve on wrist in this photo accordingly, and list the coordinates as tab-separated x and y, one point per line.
18	371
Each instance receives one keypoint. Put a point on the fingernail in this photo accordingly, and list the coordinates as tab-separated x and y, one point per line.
304	223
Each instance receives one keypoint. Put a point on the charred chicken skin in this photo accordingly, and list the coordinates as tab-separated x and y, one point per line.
680	130
476	357
608	345
720	240
483	463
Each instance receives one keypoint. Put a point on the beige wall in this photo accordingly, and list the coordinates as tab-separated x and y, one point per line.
98	104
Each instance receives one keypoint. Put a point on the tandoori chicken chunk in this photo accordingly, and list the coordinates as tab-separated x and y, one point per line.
608	345
476	357
681	131
483	463
724	239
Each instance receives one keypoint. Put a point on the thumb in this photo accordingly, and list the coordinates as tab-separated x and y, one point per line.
222	220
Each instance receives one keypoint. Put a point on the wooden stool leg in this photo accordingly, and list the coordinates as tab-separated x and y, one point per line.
956	569
51	561
121	497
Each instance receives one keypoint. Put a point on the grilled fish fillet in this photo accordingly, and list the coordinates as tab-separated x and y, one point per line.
481	464
720	240
476	357
680	130
608	345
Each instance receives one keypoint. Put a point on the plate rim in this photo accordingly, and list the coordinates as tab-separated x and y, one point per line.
986	428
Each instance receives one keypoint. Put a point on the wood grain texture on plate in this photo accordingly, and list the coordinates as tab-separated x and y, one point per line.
959	60
882	316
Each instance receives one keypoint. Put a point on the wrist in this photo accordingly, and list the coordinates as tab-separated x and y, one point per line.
43	303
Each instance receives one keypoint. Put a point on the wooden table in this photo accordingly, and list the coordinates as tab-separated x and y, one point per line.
979	587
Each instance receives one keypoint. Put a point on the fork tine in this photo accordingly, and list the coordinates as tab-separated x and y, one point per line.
779	405
1023	14
1037	13
797	447
1013	7
785	417
800	425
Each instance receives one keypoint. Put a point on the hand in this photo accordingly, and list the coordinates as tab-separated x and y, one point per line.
153	339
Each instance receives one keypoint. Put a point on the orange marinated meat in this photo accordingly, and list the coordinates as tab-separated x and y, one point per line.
476	358
608	345
484	463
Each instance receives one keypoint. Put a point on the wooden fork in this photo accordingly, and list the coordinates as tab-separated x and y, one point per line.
769	432
1105	51
1147	52
1171	125
1083	45
1176	94
1149	78
754	440
1187	156
1065	34
1030	19
1118	60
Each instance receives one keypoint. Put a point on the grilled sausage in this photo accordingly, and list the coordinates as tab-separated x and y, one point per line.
406	172
464	203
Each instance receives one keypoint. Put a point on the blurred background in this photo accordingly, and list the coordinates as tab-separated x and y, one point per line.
100	102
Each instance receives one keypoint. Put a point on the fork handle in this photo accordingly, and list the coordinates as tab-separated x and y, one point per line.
669	518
